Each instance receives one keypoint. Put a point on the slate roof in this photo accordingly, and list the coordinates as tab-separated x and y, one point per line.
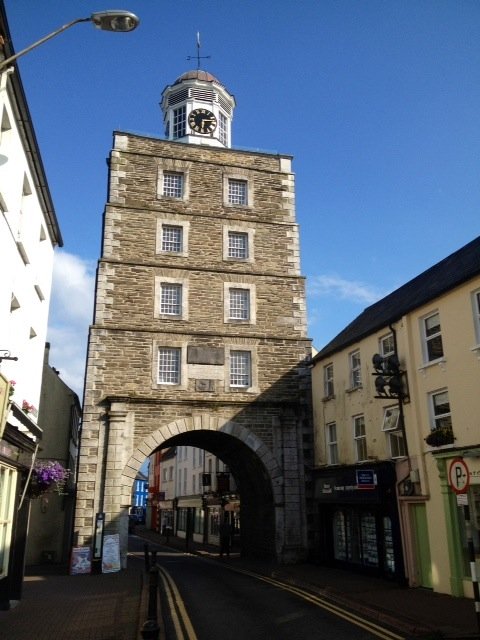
447	274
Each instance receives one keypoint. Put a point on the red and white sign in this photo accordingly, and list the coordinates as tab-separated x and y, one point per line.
459	475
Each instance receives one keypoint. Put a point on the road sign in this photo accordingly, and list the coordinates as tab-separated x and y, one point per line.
459	475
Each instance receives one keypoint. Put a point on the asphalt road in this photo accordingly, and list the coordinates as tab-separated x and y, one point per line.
205	599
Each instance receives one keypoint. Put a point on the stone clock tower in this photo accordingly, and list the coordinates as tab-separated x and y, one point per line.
199	334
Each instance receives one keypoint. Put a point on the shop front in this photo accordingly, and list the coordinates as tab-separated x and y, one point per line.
357	524
165	516
190	518
18	434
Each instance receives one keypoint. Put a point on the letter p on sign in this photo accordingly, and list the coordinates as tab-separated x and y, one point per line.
459	475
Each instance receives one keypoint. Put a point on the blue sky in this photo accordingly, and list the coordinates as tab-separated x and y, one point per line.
377	100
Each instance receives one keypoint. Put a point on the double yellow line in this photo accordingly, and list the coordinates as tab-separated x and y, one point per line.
184	628
318	601
180	618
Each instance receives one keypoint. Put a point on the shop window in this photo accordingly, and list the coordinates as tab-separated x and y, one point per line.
368	538
389	557
182	519
340	537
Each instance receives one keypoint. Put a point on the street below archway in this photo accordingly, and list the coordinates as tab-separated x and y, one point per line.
212	599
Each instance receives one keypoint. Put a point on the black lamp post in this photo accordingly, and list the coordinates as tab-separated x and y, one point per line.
105	20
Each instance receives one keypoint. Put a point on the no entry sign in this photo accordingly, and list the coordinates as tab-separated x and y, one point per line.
459	475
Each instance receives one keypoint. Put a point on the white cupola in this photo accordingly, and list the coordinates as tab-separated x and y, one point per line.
198	109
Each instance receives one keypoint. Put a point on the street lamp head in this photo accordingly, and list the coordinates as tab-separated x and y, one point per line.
105	20
115	20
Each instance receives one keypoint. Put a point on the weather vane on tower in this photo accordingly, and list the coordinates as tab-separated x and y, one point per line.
198	56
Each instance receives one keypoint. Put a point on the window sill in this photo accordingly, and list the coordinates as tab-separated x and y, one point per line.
432	363
167	316
352	389
328	398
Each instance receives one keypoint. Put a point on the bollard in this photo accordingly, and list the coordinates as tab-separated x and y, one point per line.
150	628
154	558
147	556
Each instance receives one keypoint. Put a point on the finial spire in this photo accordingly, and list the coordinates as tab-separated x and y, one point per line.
198	56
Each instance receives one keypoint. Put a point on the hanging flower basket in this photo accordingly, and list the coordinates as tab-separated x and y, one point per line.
440	437
48	476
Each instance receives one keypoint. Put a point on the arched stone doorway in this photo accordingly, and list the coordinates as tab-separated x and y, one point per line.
257	473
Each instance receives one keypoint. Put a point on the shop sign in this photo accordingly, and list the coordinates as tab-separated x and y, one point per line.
474	468
459	475
366	479
357	485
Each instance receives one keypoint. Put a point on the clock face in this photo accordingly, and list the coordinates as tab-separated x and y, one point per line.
202	121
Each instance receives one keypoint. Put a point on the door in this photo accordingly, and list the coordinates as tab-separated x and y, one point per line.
423	563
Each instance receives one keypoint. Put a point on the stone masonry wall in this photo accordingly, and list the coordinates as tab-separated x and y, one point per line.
124	403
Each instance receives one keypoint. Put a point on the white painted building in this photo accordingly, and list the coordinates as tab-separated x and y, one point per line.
29	233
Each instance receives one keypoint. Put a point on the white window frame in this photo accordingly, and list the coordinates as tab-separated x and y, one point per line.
355	369
223	128
396	444
177	167
328	381
172	238
251	288
237	192
246	374
387	345
238	175
172	376
239	303
436	417
161	283
171	299
246	345
162	224
173	184
331	439
391	418
428	339
360	438
238	229
166	342
179	122
476	315
237	245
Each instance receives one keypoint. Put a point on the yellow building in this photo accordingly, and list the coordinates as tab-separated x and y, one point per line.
397	432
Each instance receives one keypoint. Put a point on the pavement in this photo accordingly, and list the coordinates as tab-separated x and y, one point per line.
114	606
